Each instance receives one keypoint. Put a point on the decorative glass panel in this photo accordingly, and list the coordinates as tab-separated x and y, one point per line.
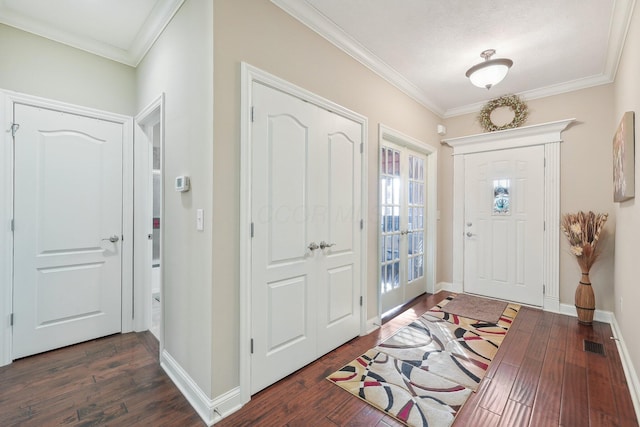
501	197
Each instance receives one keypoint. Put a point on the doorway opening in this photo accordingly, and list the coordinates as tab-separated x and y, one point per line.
149	189
407	199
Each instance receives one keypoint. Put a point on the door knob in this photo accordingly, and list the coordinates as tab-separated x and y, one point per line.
313	246
113	239
324	245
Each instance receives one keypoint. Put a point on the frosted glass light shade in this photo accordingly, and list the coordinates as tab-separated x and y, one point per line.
489	73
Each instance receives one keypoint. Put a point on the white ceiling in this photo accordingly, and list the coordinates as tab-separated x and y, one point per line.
424	47
122	30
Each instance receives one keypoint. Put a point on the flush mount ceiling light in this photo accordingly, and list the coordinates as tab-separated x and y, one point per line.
490	72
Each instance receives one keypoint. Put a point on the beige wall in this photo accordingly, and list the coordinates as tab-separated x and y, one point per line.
259	33
586	177
627	288
180	64
37	66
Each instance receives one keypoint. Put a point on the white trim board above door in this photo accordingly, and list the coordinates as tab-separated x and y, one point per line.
251	76
548	135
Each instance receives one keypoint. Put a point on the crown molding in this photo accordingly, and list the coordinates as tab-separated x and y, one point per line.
158	19
619	28
309	16
317	22
542	92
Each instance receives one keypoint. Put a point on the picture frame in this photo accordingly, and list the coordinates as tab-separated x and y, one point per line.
624	159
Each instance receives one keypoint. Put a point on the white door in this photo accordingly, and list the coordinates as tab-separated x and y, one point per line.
305	247
504	224
68	204
402	240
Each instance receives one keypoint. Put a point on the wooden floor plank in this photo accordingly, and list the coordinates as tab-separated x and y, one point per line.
575	398
540	377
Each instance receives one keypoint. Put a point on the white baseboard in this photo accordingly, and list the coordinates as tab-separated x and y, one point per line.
444	286
203	405
373	324
226	404
209	410
599	315
627	364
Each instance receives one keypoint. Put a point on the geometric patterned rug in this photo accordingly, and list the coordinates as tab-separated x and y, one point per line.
423	374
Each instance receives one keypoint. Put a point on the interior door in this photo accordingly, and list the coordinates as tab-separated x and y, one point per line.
504	224
305	245
402	240
68	227
338	230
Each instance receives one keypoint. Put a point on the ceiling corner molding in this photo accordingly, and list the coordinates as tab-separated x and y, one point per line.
317	22
542	92
158	19
32	26
153	28
619	28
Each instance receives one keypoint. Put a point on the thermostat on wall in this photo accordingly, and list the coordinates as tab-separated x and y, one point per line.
182	183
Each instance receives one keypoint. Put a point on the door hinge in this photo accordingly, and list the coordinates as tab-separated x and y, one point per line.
544	289
362	224
11	319
13	225
252	230
251	345
544	225
252	113
14	129
545	162
361	300
361	147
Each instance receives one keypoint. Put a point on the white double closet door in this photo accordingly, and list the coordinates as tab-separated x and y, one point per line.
306	210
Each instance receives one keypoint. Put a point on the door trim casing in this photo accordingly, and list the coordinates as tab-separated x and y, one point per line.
249	75
7	99
149	115
547	134
386	133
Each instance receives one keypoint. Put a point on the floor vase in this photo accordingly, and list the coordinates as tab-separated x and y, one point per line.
585	300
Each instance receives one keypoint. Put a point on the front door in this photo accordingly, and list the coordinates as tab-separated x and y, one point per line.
402	241
68	228
306	224
504	224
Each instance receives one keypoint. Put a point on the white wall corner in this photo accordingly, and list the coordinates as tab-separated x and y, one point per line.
204	406
447	286
373	324
627	365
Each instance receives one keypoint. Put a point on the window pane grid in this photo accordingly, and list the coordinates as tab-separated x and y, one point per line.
390	187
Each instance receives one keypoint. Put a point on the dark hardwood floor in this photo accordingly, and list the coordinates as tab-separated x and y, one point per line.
113	381
540	377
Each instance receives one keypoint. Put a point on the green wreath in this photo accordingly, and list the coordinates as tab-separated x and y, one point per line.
519	108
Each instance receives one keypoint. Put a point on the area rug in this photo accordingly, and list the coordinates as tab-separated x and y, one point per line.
487	310
423	374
